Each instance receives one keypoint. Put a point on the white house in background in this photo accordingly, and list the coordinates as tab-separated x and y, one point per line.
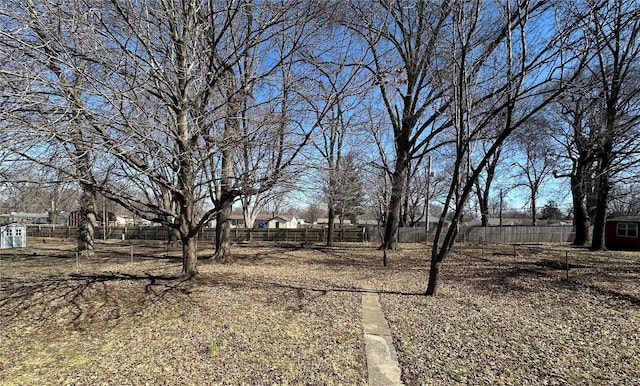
281	221
263	221
336	221
495	221
124	220
24	218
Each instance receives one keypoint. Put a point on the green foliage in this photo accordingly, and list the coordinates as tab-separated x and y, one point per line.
27	307
214	346
551	212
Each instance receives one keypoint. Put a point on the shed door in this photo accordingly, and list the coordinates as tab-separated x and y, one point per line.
14	237
18	237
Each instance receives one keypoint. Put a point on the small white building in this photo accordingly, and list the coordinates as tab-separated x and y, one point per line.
282	221
24	218
262	221
124	220
13	236
336	221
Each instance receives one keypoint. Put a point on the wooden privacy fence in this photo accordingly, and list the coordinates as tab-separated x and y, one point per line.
351	234
518	234
509	234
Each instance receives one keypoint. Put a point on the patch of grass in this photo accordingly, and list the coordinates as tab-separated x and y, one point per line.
27	307
214	346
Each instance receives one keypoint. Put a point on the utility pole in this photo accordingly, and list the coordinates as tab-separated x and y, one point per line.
501	197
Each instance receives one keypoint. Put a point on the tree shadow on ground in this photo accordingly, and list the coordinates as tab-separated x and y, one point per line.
238	282
83	299
543	276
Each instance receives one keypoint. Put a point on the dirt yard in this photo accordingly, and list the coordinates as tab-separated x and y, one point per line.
289	315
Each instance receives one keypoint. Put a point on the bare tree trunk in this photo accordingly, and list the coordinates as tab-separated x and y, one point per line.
603	187
484	208
438	255
580	181
580	199
330	229
390	241
404	212
434	277
86	230
174	232
581	223
223	233
534	220
189	257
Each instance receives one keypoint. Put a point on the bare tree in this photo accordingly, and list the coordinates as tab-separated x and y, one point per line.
336	108
625	200
484	183
573	135
154	100
602	109
539	162
414	199
261	88
613	27
402	39
484	96
42	93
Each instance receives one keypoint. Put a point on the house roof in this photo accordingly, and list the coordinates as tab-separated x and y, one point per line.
625	219
263	217
324	220
25	215
495	221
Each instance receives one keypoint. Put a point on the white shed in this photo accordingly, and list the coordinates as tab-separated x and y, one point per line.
13	236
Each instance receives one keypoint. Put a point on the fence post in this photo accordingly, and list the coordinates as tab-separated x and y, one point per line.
566	264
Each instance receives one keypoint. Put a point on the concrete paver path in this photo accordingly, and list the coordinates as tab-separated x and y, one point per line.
382	361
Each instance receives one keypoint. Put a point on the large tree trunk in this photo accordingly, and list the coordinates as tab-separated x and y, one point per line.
234	99
86	229
189	257
580	187
603	181
484	191
330	229
483	200
599	222
223	233
404	212
390	241
438	255
174	232
484	208
434	277
580	214
534	220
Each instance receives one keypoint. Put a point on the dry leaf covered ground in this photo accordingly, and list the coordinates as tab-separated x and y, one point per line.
288	315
